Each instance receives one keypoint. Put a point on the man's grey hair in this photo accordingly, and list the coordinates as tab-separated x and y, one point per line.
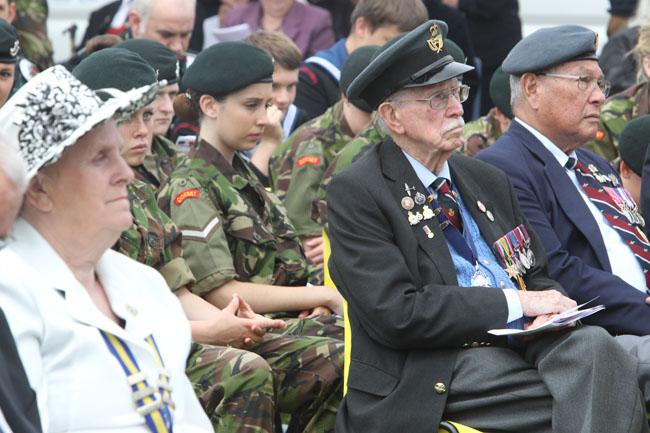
144	9
515	90
13	165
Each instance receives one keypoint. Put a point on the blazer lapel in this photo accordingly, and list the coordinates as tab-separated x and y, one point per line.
400	175
566	194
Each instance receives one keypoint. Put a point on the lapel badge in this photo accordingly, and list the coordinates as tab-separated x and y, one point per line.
427	213
428	232
435	42
420	198
408	189
489	215
481	206
430	197
407	203
413	219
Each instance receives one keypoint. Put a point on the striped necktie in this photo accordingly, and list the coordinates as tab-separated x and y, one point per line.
448	202
617	207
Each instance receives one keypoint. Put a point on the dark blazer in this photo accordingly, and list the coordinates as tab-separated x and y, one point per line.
576	251
100	21
17	400
408	317
645	191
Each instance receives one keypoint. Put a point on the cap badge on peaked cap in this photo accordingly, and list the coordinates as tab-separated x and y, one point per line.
14	50
435	42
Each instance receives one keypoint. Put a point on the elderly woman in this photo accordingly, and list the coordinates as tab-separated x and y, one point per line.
236	387
103	341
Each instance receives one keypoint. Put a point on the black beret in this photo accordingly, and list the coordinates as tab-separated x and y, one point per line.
417	58
633	143
115	68
356	62
161	58
500	92
549	47
9	45
228	66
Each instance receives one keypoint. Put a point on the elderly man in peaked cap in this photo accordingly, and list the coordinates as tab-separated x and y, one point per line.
423	248
589	225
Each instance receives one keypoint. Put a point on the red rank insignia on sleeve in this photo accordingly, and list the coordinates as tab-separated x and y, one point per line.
184	195
308	160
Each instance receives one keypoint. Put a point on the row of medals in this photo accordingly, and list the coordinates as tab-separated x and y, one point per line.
631	212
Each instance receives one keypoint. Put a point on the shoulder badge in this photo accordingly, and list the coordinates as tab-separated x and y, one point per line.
435	42
308	160
184	195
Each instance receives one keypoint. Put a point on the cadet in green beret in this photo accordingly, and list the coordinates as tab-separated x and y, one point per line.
237	237
482	132
299	163
164	156
241	385
632	147
9	48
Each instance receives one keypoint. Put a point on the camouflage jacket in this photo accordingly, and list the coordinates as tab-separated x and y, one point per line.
232	227
298	165
153	239
160	164
370	136
31	25
614	115
482	132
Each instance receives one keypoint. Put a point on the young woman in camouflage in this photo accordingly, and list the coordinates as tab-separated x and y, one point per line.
238	239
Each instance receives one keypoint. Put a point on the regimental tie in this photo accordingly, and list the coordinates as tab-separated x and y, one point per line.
617	207
448	202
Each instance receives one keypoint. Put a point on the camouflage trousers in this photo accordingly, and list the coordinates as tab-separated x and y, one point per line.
295	372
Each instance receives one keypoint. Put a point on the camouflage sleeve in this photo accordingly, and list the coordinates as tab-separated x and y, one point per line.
205	246
153	239
306	175
613	119
280	165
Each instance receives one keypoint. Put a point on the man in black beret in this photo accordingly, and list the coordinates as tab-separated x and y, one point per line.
633	144
590	228
431	252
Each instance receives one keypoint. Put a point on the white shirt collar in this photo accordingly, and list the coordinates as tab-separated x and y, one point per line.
557	153
426	176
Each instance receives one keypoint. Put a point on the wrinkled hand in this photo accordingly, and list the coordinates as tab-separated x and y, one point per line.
240	326
98	42
313	249
544	303
273	130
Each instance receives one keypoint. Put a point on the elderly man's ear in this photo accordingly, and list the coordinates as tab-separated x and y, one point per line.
530	89
391	117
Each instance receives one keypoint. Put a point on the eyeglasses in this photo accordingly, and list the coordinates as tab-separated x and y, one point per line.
440	99
585	82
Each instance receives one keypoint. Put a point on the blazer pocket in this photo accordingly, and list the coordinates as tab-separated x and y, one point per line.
367	378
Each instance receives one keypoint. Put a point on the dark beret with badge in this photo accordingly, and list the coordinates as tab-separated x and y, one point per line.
633	143
357	62
161	58
227	67
500	92
115	68
9	45
415	59
551	46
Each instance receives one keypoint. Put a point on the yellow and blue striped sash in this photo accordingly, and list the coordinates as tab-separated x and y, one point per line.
153	403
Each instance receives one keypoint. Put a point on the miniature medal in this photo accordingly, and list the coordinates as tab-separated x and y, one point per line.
428	232
407	203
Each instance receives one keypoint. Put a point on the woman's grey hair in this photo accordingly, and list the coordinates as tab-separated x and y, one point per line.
13	165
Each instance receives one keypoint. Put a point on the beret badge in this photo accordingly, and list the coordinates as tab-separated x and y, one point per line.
14	50
435	42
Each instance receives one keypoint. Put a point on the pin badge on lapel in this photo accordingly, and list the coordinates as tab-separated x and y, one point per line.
420	198
408	188
407	203
413	219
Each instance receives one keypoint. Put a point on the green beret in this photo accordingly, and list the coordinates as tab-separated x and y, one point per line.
228	66
9	45
633	143
417	58
551	46
161	58
115	68
500	92
356	62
